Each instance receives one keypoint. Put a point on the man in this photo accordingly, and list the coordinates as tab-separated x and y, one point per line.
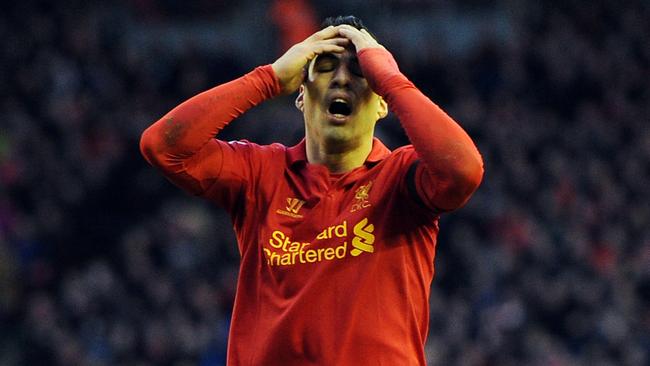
337	234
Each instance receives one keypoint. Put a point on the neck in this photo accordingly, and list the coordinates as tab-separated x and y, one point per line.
338	157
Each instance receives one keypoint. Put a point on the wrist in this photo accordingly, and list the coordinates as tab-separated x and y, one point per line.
270	80
379	66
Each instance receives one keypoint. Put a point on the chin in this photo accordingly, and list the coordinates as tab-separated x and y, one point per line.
336	134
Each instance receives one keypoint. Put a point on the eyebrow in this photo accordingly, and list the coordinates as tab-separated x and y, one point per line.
332	56
326	56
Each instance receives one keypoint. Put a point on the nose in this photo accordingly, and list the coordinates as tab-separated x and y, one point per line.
341	77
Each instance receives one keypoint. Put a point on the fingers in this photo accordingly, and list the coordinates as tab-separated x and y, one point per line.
341	41
364	31
352	33
326	47
334	45
339	36
333	31
330	45
325	33
360	38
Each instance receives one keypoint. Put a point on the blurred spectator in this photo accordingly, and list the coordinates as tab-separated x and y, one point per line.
295	21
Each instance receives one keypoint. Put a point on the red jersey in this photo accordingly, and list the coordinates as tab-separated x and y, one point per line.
335	269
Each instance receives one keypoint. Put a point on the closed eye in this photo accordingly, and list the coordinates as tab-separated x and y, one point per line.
326	63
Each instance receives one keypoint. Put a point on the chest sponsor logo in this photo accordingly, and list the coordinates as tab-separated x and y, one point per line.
281	250
363	238
361	197
292	208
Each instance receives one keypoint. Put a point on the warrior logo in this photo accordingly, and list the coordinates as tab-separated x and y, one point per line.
292	208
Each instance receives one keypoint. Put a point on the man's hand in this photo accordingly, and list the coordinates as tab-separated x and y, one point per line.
360	38
289	68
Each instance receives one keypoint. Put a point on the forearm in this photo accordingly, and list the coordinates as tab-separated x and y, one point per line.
448	153
183	131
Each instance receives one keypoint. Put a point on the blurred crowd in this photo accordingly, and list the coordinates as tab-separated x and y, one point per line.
103	262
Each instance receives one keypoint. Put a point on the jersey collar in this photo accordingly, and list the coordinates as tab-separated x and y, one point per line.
298	152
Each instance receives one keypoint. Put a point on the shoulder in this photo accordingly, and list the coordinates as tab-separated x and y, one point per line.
403	157
403	150
252	155
253	149
248	145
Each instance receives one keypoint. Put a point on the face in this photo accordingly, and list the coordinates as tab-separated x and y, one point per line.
338	104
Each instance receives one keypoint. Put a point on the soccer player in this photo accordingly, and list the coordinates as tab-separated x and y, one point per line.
336	234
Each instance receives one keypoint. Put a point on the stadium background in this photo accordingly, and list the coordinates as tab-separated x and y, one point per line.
104	262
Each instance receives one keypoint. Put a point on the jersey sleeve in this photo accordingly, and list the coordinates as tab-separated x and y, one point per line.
222	170
243	165
447	168
182	144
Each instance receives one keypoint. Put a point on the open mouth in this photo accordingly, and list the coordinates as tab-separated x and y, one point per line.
340	108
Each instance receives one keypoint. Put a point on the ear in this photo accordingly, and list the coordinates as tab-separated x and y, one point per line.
300	99
383	108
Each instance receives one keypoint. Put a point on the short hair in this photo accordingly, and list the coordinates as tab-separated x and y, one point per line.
346	19
339	20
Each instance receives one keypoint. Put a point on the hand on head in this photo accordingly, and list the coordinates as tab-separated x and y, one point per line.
360	38
289	68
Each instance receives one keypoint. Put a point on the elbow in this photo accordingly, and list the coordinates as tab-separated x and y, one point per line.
156	150
473	176
457	188
153	148
148	146
467	182
461	193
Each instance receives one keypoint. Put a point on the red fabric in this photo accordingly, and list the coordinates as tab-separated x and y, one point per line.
181	144
341	309
453	166
334	270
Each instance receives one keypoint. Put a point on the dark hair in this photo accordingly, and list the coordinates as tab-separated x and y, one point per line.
346	19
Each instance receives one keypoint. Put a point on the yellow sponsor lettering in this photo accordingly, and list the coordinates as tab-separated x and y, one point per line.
274	259
280	240
320	252
286	259
329	254
341	250
295	246
310	256
285	252
340	231
277	237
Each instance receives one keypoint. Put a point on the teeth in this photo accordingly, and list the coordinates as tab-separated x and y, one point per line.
340	108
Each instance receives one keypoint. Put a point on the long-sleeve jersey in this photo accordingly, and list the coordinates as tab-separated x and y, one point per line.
335	269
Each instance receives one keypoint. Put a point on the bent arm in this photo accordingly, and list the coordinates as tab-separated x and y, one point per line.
177	142
182	144
452	166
